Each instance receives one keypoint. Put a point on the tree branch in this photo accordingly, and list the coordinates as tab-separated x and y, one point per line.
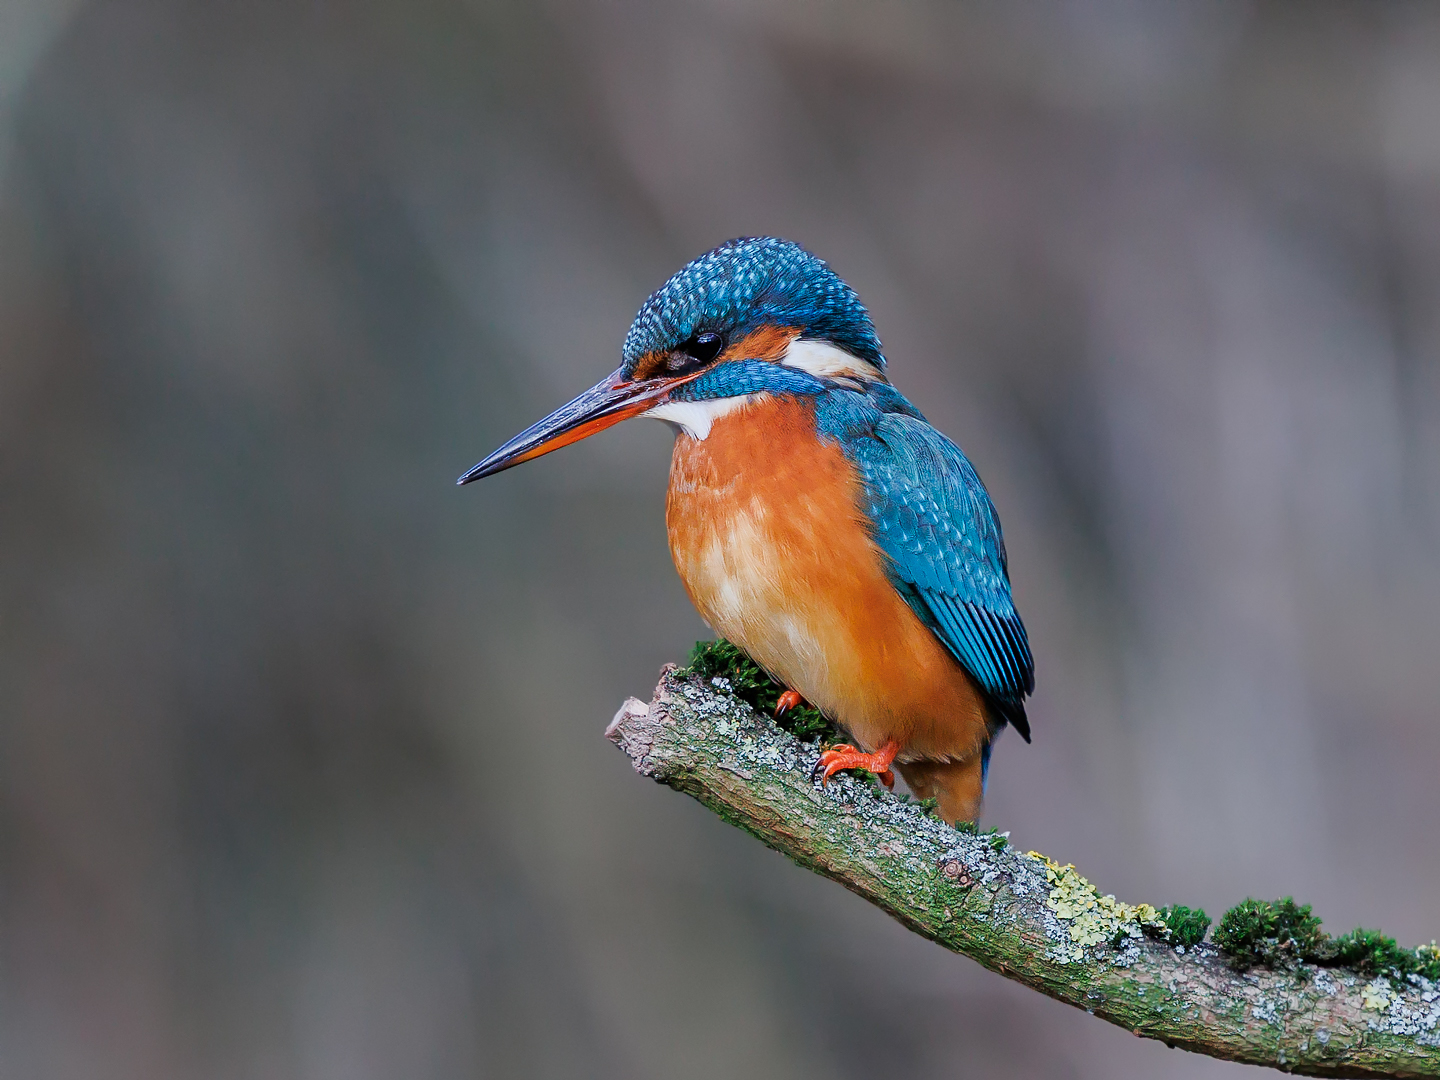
1021	915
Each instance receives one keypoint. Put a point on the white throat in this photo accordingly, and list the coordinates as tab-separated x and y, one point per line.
696	417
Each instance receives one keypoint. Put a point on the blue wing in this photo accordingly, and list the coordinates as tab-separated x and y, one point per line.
933	518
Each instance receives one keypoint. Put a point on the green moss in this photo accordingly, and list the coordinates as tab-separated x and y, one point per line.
998	841
930	807
1371	953
1269	933
1429	957
1278	932
1187	926
752	684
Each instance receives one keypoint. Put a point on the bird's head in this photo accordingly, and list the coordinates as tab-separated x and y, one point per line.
755	315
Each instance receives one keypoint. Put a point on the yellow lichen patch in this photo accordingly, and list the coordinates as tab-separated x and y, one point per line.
1376	995
1093	918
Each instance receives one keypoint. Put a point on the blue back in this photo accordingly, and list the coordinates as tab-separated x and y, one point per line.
933	518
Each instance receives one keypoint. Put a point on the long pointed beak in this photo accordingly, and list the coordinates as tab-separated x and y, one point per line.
606	403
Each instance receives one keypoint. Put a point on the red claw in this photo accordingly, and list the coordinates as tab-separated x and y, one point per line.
847	757
788	700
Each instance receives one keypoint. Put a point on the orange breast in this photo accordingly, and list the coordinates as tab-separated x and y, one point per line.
767	531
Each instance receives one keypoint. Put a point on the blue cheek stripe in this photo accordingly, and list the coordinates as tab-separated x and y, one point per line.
736	377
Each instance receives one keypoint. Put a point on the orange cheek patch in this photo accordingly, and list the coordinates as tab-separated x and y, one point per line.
650	365
764	343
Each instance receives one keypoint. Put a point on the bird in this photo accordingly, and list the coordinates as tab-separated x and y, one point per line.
816	518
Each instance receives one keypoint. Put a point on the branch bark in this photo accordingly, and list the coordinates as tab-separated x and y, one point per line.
1020	914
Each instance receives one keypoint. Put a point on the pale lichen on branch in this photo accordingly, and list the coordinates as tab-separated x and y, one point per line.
1025	915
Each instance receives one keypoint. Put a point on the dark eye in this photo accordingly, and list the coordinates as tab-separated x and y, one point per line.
705	347
698	351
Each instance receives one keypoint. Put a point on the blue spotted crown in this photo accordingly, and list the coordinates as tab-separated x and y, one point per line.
750	282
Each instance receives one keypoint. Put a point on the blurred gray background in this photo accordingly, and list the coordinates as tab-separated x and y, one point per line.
301	768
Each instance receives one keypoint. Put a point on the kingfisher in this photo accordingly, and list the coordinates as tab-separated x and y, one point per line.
816	518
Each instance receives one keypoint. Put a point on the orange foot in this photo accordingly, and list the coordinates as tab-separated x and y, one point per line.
788	700
847	757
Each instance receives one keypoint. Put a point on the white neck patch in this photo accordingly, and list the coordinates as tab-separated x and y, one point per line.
827	361
696	417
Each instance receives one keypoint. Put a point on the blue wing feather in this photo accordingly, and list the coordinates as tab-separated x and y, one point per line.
934	519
